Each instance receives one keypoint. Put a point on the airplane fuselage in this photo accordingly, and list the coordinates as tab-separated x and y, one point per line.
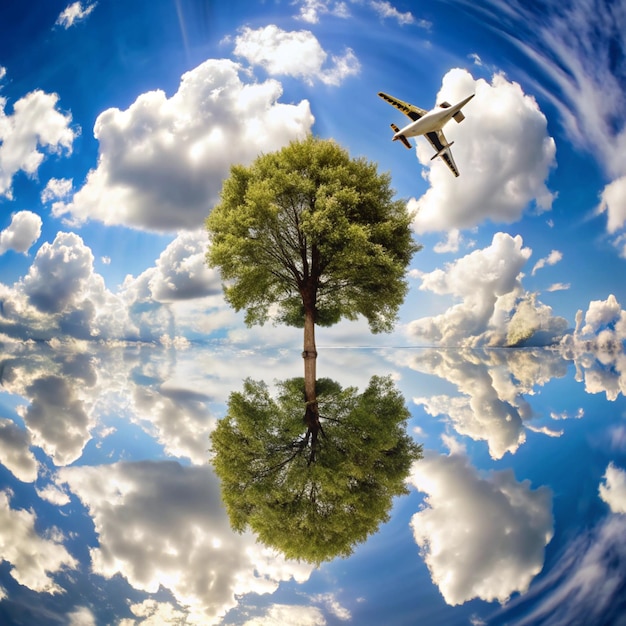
434	120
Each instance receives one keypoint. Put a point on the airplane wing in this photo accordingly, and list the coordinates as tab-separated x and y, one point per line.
439	143
408	109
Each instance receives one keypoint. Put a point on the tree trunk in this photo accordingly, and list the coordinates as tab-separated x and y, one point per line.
309	354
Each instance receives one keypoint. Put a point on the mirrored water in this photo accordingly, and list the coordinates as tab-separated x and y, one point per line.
111	511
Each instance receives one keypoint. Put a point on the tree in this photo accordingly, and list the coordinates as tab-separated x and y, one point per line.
313	494
314	236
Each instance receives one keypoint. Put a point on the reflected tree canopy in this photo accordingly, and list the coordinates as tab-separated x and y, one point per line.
313	483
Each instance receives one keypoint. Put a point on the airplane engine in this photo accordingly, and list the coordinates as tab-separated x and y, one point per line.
441	152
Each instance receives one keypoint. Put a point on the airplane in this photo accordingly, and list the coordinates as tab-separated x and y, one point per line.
430	124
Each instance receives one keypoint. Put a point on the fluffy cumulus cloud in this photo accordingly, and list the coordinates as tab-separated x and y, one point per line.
152	409
503	142
482	536
74	13
22	232
162	161
59	274
35	126
613	489
491	405
57	418
161	524
61	295
61	391
294	53
33	559
69	390
180	272
15	452
494	308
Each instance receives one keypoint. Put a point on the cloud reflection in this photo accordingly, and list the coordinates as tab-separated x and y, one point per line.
493	385
481	536
162	524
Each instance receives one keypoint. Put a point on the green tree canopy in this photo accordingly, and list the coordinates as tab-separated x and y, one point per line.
311	490
312	232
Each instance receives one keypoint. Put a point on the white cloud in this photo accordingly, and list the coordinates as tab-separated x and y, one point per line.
57	188
68	390
59	274
482	536
387	10
154	613
61	295
163	525
597	347
51	493
581	76
502	150
479	278
559	287
492	406
57	418
289	615
81	616
604	313
33	559
552	259
61	389
180	272
613	489
294	53
187	435
613	202
451	244
310	10
15	452
35	125
565	415
74	13
162	161
481	416
494	308
22	233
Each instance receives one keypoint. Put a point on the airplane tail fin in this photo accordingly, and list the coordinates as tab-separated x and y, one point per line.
402	138
458	117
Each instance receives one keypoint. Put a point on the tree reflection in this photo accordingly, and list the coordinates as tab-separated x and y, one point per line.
313	483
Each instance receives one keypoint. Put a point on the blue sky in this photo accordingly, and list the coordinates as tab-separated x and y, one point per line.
118	127
118	124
